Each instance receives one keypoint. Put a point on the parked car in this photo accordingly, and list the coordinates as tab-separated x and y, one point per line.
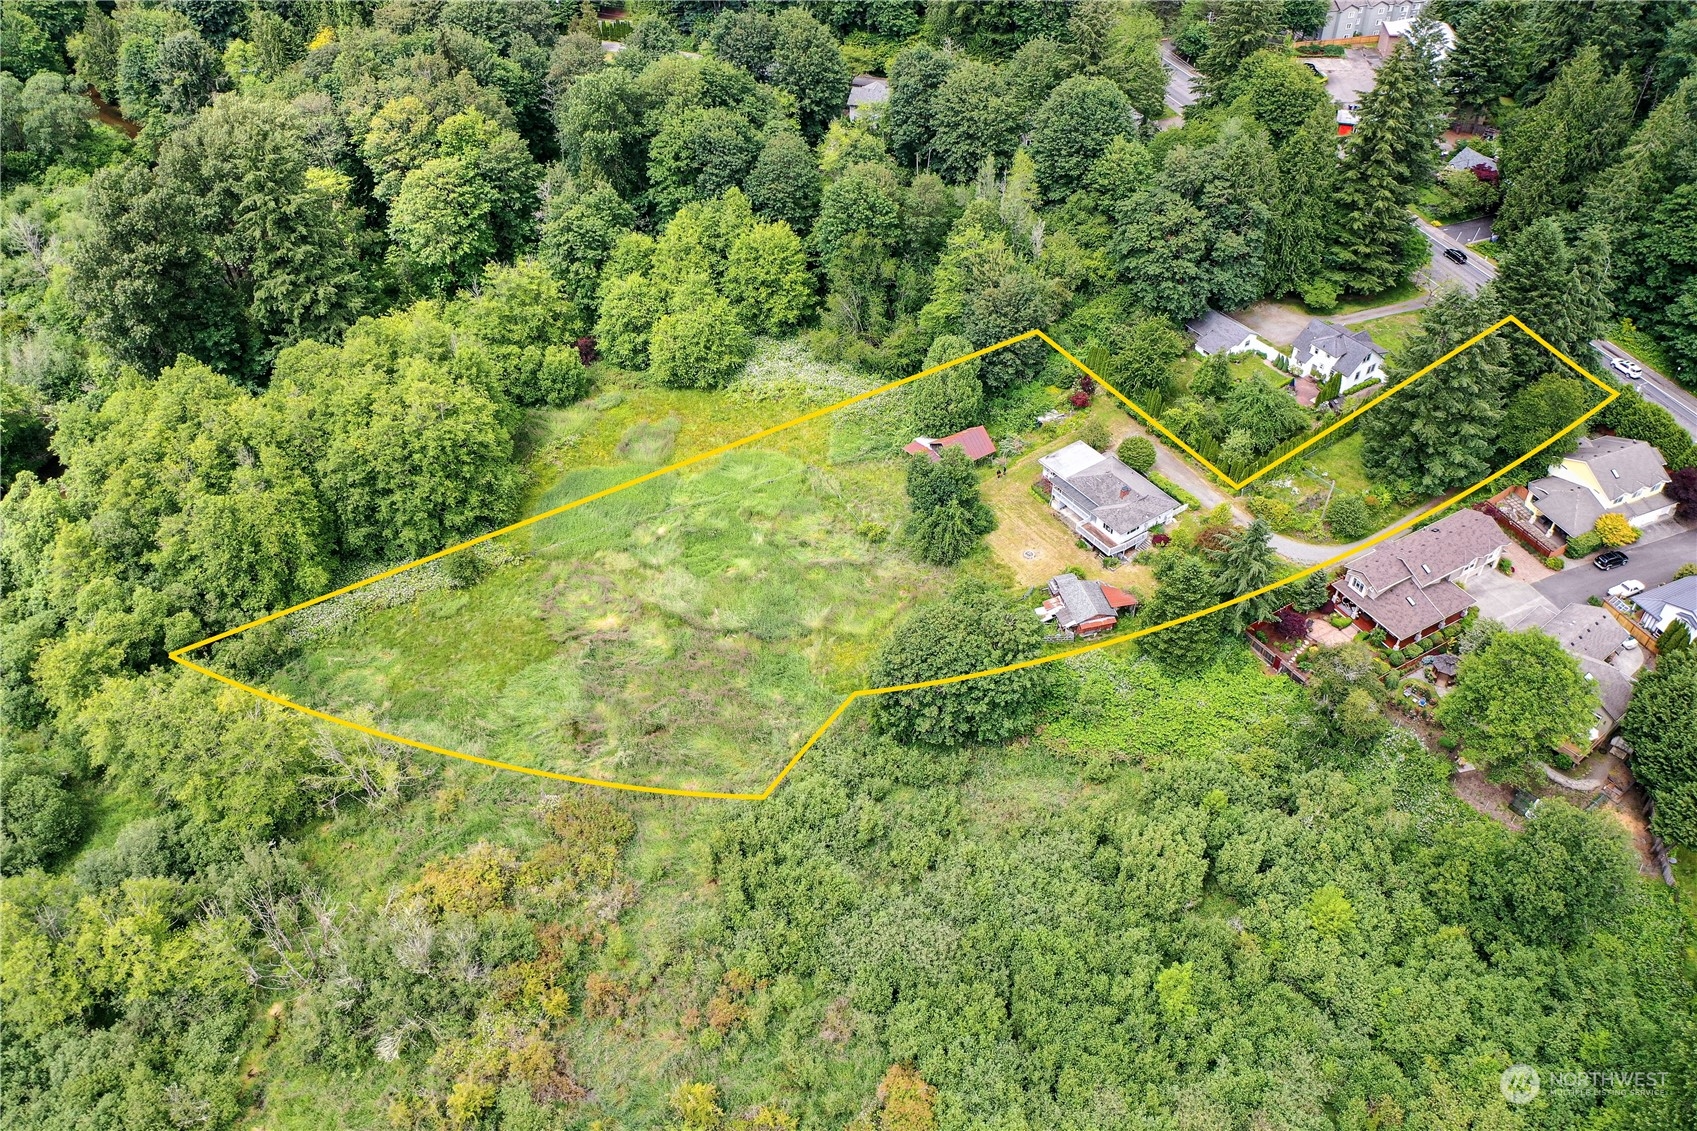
1611	559
1456	254
1626	589
1628	368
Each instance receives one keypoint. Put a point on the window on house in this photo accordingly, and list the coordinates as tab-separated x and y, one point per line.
1355	584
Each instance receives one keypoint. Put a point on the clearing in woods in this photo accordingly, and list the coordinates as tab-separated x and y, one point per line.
684	630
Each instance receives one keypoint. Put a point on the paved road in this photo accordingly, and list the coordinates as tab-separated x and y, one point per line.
1181	79
1653	564
1655	387
1472	275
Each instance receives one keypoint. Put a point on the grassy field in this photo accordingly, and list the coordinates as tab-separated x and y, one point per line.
1392	331
689	631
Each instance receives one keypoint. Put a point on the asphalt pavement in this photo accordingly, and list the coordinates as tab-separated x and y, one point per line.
1470	276
1181	79
1653	564
1654	386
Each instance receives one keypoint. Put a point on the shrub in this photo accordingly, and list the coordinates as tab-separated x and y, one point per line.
1339	620
1504	566
1586	543
1137	453
1615	530
700	348
1398	656
1553	562
1095	433
1349	518
1392	678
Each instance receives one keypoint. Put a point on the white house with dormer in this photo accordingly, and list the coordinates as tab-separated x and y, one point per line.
1325	348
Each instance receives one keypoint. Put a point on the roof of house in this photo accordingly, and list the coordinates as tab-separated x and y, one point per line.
1679	596
974	441
867	89
1586	630
1215	332
1350	347
1572	507
1406	610
1118	496
1446	663
1082	601
1469	158
1612	686
1621	465
1430	554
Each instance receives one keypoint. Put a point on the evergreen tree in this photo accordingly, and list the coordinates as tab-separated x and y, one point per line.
1540	284
1387	160
1239	29
1247	564
1481	69
1552	150
1301	219
1442	431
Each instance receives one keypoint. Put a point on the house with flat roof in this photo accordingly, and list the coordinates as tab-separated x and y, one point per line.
1324	348
1106	503
975	442
1217	333
1084	608
1606	474
1410	586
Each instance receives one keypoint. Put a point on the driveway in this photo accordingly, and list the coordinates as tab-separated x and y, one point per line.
1507	601
1653	563
1278	323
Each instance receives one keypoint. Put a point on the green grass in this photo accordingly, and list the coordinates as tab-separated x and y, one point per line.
1391	332
1342	462
1350	304
689	631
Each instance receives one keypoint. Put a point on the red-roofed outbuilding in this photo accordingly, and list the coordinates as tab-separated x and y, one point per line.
975	442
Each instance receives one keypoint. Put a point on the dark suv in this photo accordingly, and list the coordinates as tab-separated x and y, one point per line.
1610	559
1456	254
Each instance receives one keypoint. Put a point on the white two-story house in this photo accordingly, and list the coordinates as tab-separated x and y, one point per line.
1607	474
1324	348
1105	502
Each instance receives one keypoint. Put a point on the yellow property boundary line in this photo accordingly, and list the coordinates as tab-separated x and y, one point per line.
180	655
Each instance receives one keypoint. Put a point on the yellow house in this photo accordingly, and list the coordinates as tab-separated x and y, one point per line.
1607	474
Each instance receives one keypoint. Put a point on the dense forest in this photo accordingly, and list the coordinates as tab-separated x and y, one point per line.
290	289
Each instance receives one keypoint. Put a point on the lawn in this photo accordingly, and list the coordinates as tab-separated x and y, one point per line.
1350	304
1391	332
1030	539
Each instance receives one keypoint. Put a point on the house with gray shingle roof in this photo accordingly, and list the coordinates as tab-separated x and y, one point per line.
1410	586
1217	333
1606	474
1469	159
1324	348
1105	502
865	92
1661	606
1084	607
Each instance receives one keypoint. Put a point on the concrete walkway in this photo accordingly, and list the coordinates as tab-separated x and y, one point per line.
1594	780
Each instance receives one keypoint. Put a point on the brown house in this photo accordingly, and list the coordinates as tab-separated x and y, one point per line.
1409	585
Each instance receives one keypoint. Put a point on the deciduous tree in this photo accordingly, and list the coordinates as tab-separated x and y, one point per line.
1516	699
